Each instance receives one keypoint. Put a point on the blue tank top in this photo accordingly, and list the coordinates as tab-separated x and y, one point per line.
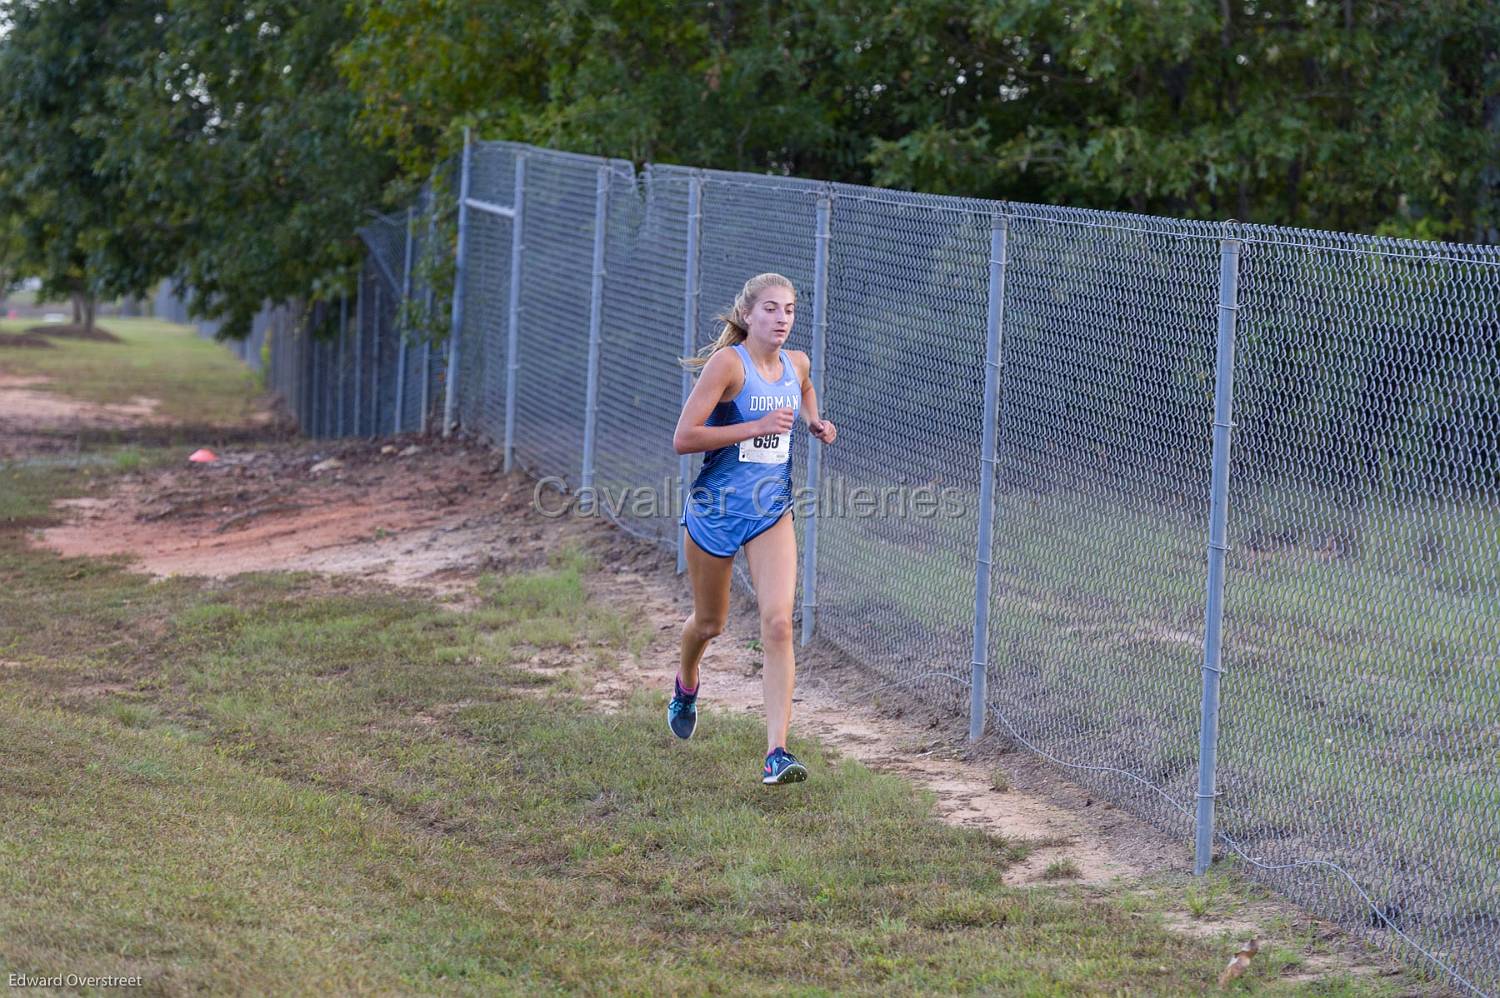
754	477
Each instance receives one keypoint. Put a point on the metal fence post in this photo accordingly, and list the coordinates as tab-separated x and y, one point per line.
308	371
330	382
399	422
426	383
304	388
455	328
513	309
359	352
305	376
312	372
321	350
375	366
338	420
293	362
815	446
289	369
1218	519
325	407
689	338
320	385
278	361
288	358
427	309
984	548
596	318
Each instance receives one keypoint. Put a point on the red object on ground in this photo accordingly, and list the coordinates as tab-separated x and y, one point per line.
202	456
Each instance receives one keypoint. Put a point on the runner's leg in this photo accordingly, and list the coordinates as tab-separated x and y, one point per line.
772	555
710	578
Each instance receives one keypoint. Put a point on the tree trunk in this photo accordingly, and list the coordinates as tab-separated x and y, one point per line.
77	308
90	303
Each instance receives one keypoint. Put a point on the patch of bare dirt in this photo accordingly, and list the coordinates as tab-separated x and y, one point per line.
20	381
26	409
24	341
436	515
404	513
68	331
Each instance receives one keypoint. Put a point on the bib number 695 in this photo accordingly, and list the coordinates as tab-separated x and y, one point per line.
768	448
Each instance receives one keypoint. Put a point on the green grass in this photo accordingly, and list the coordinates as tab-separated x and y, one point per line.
28	486
128	459
198	382
283	783
1062	869
26	493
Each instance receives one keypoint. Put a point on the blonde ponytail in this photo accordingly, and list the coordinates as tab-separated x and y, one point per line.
735	328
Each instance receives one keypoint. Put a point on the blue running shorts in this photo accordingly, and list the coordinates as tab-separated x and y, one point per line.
722	534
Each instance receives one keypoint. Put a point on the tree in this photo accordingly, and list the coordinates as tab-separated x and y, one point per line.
236	137
12	265
200	140
239	148
69	222
1347	115
1374	116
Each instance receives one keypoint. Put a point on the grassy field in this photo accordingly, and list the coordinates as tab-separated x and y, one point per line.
283	783
196	381
287	783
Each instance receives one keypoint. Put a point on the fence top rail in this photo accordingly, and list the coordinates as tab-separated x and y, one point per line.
623	168
1416	250
396	219
1328	241
490	208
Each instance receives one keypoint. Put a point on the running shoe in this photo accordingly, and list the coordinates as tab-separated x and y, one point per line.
682	712
782	767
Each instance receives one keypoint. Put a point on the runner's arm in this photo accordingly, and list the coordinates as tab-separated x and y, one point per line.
691	436
809	394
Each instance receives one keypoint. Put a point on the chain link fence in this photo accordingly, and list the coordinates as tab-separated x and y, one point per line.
1093	468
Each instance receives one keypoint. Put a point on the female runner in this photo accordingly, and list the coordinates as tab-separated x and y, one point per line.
741	413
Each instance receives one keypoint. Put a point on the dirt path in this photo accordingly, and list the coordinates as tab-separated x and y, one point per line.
35	421
24	407
436	515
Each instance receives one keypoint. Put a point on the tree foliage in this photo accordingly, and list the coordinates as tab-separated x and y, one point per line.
65	215
1375	115
192	138
239	146
238	134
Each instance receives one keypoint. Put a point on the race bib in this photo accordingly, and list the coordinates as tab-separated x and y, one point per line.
773	448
